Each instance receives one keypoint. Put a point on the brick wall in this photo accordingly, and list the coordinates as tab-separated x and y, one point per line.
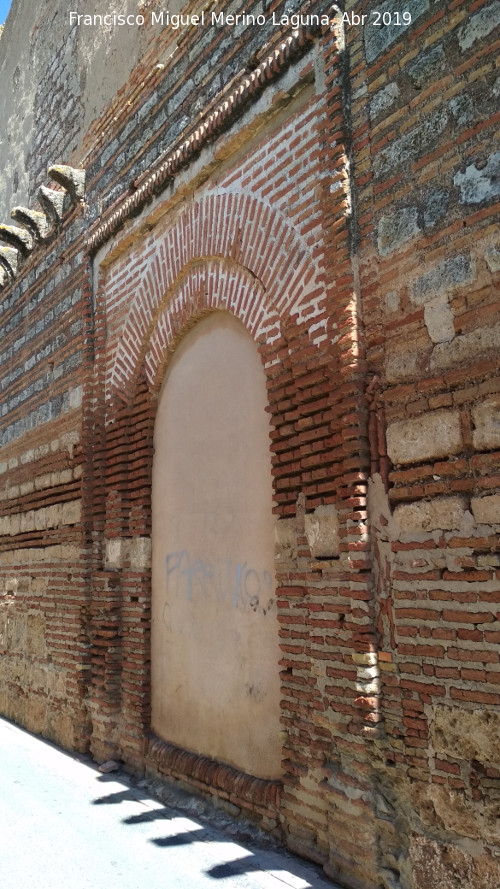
424	148
43	549
335	190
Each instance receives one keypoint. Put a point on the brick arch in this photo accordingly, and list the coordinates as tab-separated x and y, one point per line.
239	242
207	286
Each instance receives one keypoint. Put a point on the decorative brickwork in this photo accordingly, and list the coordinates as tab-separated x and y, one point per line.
335	189
217	779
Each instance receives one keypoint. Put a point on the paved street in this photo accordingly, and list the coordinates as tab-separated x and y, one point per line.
63	825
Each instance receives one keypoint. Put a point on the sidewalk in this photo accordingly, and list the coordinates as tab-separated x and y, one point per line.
66	826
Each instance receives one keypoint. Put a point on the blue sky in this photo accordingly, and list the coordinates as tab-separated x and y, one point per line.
4	8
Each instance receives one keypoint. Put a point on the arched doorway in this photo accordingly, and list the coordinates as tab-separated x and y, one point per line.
215	683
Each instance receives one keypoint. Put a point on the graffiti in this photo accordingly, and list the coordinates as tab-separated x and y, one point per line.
196	579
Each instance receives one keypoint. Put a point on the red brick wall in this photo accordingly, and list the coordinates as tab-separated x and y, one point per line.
43	546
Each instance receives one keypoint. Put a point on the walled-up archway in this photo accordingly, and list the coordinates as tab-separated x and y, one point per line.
215	684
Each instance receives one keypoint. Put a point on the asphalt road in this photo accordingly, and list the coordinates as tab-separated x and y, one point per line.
63	825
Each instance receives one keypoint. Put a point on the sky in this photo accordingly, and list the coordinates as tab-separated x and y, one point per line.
4	8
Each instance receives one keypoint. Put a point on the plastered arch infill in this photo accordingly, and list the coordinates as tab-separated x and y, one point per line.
261	248
215	686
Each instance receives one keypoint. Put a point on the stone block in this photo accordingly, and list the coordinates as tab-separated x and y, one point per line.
392	301
377	40
68	553
438	865
444	277
486	510
35	634
16	632
436	207
465	347
480	185
423	136
39	585
443	514
40	520
16	707
364	658
53	515
322	532
489	561
140	553
75	397
68	441
4	624
395	230
437	434
114	553
36	714
15	524
37	676
384	99
60	728
486	419
36	454
463	110
440	807
492	257
42	481
438	319
401	366
27	521
478	26
466	734
71	512
285	539
427	65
